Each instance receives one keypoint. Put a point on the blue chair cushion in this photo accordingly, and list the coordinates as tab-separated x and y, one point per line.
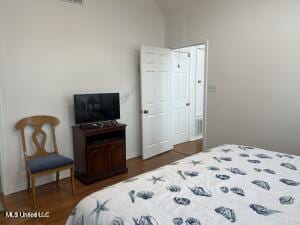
48	162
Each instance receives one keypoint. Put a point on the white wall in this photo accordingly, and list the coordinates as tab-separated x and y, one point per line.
51	49
1	142
254	52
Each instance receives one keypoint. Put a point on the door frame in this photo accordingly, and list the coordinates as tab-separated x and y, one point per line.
205	80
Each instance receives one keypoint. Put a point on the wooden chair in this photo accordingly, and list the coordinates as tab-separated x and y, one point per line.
42	162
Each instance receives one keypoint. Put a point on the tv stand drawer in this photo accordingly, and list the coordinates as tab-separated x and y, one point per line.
97	160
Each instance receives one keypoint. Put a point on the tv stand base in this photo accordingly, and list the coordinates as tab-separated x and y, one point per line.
89	180
99	152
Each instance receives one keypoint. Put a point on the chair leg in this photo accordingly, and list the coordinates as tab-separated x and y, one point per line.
28	181
57	177
72	179
33	191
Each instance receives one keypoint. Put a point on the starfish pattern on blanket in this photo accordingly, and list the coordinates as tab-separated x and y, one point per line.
156	179
194	162
99	208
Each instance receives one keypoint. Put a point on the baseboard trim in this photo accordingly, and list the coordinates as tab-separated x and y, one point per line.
51	178
196	138
132	155
39	181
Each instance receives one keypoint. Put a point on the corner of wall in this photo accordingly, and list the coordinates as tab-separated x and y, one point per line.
164	16
4	188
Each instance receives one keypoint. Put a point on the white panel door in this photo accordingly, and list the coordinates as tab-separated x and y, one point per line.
155	100
181	97
200	70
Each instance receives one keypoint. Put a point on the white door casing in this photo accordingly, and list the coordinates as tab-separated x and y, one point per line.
155	100
180	96
200	73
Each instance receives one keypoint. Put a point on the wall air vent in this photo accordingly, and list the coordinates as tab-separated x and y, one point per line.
80	2
198	127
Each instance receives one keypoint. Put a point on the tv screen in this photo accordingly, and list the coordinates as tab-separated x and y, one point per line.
96	107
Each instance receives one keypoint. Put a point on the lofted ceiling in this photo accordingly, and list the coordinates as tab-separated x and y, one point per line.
172	5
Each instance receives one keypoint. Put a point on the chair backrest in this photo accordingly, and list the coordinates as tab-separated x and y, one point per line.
37	122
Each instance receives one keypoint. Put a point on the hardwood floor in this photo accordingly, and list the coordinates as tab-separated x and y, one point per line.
59	201
189	148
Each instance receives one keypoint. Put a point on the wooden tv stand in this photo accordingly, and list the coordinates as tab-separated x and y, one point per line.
99	152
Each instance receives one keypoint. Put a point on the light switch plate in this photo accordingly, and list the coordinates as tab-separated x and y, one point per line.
80	2
212	88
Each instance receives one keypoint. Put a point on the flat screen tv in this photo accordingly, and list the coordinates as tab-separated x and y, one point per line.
91	108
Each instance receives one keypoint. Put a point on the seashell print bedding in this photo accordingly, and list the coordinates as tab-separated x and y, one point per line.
230	184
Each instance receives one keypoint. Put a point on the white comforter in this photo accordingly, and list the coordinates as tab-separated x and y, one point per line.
227	185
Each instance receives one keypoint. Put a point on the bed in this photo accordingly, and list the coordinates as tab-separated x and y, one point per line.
230	184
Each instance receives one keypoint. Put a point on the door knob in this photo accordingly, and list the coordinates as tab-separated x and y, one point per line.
145	111
199	81
187	104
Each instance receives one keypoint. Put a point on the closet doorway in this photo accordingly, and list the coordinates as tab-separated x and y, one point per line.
173	86
188	79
